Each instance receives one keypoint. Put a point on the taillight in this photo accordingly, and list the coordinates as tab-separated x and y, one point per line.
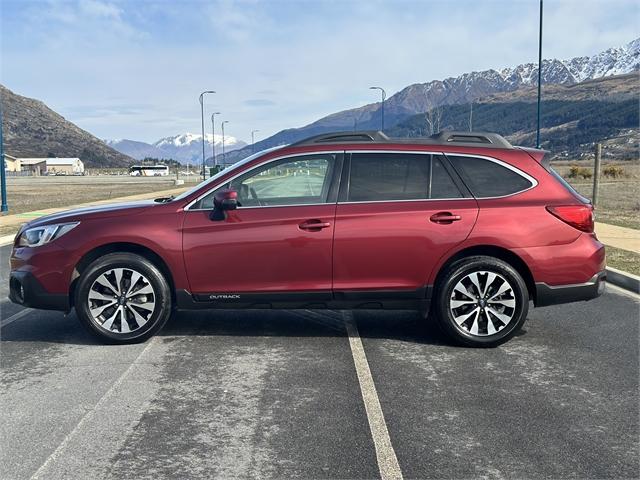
578	216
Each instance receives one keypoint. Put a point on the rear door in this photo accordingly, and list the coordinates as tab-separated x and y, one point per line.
397	214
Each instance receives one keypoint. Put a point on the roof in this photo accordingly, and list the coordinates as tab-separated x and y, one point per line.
466	139
50	161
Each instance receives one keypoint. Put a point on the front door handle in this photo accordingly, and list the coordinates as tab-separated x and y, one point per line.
445	218
313	225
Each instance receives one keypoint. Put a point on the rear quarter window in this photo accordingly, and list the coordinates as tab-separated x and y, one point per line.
486	178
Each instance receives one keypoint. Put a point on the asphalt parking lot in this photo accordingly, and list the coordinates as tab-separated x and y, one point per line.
285	394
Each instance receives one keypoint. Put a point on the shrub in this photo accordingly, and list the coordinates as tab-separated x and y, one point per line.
580	172
614	171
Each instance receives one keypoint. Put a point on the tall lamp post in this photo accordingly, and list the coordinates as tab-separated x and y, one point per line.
253	141
224	159
3	176
539	77
202	118
384	96
213	132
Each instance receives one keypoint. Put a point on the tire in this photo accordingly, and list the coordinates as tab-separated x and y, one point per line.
498	312
131	313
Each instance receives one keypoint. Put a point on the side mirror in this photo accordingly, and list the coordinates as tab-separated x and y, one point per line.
224	200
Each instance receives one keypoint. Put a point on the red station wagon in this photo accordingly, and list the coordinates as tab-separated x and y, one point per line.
463	226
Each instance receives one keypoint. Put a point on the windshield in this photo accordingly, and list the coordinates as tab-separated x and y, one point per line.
236	165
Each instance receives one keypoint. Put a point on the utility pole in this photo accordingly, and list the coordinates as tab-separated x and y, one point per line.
202	118
3	175
384	96
213	132
253	140
539	77
224	155
471	117
596	175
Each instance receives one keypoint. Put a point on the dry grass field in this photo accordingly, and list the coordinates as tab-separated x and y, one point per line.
29	194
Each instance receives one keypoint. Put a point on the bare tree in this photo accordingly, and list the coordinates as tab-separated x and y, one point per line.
433	117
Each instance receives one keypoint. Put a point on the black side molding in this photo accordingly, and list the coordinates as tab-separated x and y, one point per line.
553	295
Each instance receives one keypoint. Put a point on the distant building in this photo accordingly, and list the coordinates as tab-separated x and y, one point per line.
65	166
52	166
36	166
12	164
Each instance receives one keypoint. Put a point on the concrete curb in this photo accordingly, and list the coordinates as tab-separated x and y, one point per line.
7	239
622	279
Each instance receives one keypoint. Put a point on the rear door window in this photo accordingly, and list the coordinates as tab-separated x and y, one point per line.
399	176
486	178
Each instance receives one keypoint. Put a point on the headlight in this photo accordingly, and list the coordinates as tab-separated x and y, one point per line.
37	236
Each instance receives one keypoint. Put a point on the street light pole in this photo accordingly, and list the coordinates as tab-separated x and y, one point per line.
539	77
213	132
384	96
224	159
202	118
253	140
3	176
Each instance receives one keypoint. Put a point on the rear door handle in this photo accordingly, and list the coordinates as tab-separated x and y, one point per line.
313	225
445	218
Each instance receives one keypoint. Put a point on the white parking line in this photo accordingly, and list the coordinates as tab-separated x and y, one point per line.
387	460
16	316
90	414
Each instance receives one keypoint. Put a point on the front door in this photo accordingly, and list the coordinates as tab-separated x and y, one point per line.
397	215
278	241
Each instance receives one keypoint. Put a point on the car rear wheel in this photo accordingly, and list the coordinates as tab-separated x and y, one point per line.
123	298
481	301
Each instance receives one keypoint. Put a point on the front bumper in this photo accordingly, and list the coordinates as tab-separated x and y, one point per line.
24	289
553	295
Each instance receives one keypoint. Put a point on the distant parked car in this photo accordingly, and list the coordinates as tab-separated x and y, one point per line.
462	225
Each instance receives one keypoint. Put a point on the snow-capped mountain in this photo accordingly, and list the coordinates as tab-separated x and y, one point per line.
186	147
466	88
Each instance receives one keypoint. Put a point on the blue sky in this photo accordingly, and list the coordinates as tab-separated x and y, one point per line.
134	69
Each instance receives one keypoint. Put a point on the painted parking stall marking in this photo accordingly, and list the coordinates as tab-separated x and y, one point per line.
386	455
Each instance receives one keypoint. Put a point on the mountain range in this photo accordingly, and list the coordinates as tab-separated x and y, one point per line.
463	90
576	112
185	148
31	129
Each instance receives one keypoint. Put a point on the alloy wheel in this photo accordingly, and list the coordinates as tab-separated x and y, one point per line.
482	303
121	300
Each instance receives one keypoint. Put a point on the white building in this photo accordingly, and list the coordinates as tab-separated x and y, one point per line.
53	166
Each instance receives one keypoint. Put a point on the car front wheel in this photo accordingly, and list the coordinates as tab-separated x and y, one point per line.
481	301
123	298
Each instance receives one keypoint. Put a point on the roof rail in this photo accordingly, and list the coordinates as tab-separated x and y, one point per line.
344	137
472	138
465	139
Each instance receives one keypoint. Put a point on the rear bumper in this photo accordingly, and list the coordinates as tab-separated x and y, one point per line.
553	295
24	289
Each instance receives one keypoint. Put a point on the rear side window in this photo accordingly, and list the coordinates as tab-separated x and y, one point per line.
488	179
399	176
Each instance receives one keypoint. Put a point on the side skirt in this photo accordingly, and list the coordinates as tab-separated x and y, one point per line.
371	300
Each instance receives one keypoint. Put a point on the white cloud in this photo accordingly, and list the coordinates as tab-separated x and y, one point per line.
308	58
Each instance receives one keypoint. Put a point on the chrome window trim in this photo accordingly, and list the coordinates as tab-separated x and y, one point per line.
275	159
529	178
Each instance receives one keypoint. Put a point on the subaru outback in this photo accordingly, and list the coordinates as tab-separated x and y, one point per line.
462	227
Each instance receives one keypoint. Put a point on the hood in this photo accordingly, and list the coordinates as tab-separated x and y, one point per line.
94	212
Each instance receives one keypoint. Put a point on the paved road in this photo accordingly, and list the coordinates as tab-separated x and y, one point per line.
275	394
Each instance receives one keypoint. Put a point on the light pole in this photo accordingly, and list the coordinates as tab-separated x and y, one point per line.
539	77
384	96
202	118
3	176
213	132
253	140
224	159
